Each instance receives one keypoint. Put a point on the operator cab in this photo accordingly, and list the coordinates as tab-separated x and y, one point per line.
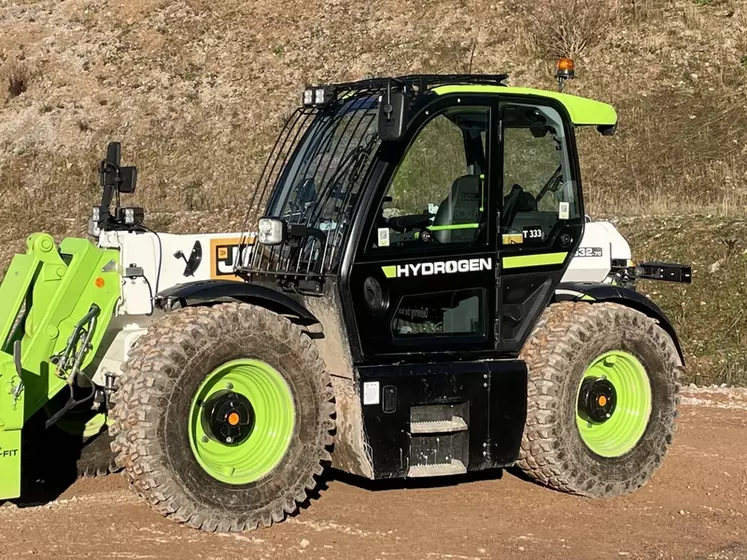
439	212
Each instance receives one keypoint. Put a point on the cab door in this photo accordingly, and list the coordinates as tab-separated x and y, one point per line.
424	274
541	211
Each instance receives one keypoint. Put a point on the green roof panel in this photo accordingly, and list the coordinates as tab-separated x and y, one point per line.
583	111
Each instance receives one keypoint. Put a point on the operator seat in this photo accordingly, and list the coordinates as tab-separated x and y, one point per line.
518	200
462	206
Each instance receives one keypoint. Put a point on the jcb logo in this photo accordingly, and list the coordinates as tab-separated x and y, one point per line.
224	255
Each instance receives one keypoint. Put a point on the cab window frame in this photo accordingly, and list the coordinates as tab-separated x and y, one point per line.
394	153
569	157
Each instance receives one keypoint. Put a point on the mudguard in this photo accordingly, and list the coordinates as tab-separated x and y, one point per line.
214	291
579	291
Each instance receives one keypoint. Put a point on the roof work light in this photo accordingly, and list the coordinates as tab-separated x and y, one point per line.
318	96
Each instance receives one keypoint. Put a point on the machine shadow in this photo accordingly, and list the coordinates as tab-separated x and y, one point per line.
49	468
413	483
333	475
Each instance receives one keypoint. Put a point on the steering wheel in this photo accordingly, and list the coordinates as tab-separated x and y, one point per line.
552	184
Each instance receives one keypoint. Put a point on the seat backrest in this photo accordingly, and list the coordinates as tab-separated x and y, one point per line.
461	207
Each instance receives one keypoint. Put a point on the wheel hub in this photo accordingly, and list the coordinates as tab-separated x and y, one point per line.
597	400
228	417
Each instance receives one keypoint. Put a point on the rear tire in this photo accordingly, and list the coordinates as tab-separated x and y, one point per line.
561	447
159	438
96	457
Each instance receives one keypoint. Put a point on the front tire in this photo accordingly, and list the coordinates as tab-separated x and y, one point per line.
603	395
223	417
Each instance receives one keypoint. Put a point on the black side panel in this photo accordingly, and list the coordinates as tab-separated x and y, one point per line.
522	297
624	296
490	396
211	291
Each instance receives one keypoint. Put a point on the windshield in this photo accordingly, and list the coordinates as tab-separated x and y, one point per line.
320	181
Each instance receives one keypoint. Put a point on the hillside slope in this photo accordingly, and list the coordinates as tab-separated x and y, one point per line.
196	89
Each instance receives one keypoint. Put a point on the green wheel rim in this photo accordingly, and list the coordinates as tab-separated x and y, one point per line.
275	418
625	427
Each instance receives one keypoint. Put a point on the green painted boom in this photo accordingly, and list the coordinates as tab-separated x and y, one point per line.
45	295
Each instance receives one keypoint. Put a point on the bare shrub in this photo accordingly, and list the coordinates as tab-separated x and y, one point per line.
18	79
557	28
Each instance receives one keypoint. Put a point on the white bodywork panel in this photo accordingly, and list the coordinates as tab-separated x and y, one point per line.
588	267
121	335
155	252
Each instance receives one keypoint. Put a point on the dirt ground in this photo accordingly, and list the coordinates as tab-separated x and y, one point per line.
694	508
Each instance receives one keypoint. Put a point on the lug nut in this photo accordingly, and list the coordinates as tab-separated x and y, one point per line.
205	439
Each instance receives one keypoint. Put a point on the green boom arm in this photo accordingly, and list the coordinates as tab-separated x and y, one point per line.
43	299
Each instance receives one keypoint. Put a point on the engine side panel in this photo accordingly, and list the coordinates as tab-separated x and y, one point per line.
600	245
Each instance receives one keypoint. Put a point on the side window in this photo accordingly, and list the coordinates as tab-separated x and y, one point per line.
442	313
437	192
537	187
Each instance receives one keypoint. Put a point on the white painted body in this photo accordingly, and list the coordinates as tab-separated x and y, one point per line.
602	235
154	253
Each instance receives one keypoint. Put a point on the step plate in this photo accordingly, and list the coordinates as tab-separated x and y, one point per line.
437	469
456	424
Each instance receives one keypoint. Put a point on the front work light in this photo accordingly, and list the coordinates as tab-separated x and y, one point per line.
318	96
271	231
130	216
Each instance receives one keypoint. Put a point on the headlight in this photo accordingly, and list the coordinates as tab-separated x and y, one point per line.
271	231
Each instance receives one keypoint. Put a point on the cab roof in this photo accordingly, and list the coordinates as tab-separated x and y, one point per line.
582	111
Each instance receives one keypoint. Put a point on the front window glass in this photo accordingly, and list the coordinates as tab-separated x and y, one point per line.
321	180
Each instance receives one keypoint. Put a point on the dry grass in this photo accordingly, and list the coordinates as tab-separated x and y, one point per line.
196	91
710	315
18	80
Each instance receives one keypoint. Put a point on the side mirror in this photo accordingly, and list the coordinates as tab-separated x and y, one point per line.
392	115
123	178
108	173
128	176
